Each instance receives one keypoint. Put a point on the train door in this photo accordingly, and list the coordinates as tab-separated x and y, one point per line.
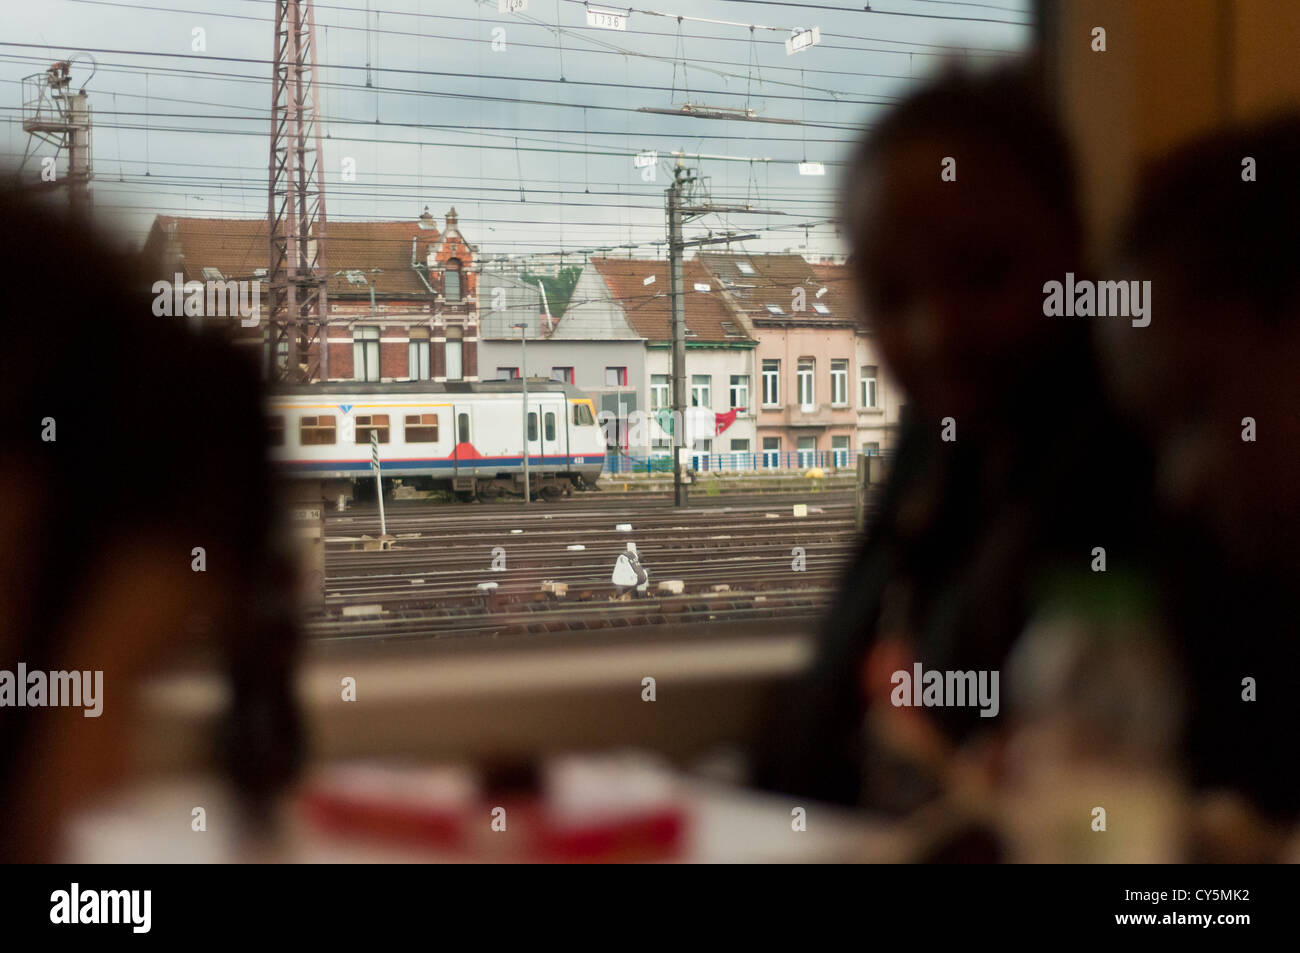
555	446
533	440
464	455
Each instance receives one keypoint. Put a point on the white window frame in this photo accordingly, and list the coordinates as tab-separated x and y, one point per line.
772	377
365	353
705	389
869	387
738	390
839	382
660	391
806	376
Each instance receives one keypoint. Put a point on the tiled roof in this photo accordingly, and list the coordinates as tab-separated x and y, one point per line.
759	282
648	307
236	247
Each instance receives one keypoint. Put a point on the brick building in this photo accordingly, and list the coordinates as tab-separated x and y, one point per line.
403	295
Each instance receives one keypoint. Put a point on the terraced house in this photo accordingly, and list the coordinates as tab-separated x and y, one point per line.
403	295
629	298
821	396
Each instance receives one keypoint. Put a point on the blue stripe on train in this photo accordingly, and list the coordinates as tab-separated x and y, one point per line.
363	466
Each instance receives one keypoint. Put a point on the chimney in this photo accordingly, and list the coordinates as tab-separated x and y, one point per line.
426	220
452	219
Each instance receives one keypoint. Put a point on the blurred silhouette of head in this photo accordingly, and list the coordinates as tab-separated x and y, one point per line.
1219	237
953	271
127	441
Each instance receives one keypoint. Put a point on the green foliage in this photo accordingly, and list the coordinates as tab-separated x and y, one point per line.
559	289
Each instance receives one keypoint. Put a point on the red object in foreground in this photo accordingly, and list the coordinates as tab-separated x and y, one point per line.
531	834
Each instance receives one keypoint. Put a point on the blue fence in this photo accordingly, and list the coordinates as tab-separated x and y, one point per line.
735	462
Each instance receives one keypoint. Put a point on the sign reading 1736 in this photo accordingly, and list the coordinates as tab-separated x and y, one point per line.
512	6
606	19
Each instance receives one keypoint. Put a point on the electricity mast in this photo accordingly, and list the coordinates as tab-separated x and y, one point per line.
298	306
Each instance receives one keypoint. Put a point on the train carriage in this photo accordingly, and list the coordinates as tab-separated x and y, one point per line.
465	436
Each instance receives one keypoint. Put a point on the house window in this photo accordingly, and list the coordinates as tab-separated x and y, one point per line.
701	390
550	425
507	373
806	370
771	383
418	355
740	391
840	451
275	431
807	451
771	452
871	449
562	374
451	281
582	416
376	422
454	366
316	431
365	354
659	398
839	383
867	380
616	377
421	428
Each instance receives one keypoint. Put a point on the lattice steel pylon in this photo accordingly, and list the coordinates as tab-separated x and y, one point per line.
298	306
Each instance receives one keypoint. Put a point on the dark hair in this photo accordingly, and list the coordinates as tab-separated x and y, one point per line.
1001	106
1232	238
158	432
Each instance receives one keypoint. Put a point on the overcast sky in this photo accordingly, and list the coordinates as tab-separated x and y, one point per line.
462	124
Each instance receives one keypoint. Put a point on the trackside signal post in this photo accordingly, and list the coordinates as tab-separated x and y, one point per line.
379	480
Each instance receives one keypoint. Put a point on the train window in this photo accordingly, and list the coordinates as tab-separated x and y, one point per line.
462	425
550	425
275	431
582	416
374	422
316	431
532	426
421	428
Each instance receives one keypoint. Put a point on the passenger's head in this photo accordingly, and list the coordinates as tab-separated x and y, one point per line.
1216	230
127	442
953	270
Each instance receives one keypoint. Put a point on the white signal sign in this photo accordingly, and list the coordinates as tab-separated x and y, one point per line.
643	159
800	40
606	19
811	168
512	6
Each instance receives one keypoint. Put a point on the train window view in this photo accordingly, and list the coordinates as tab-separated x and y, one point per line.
545	431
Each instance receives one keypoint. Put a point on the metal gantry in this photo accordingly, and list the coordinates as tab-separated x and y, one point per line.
298	304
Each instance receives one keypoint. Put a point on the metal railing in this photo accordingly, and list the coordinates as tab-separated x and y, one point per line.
738	461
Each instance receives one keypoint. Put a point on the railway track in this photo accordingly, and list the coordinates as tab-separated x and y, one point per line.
506	570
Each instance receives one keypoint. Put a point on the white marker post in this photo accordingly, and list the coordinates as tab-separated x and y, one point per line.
379	480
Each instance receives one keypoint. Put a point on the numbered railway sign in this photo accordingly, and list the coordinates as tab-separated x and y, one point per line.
512	6
800	40
606	19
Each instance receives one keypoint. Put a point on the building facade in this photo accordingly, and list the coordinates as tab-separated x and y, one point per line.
403	296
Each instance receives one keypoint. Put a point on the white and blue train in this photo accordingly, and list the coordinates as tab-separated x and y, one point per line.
468	437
